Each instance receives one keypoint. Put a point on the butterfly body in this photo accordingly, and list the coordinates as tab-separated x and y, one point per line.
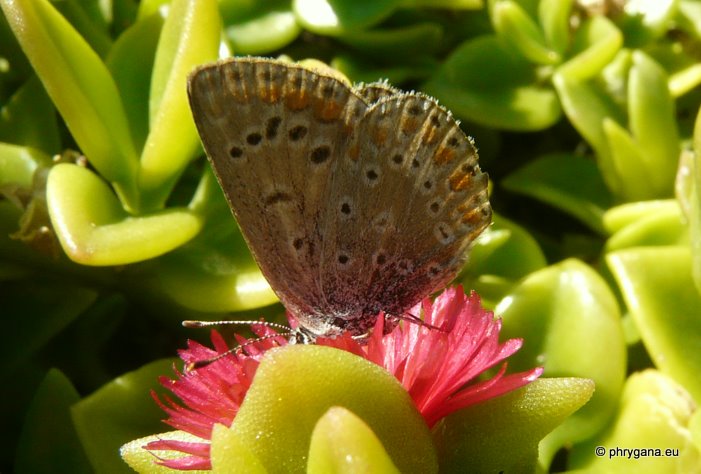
353	200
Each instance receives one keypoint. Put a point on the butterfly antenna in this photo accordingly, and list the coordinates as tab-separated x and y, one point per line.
238	349
205	324
288	332
410	318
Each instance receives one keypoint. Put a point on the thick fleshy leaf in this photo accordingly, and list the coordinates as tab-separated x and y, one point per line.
92	28
267	32
502	434
624	215
143	461
658	288
398	43
18	164
333	17
554	18
652	120
94	229
190	37
48	438
117	413
295	385
662	226
229	453
655	413
568	182
215	272
342	443
695	204
627	159
131	62
587	108
451	4
484	82
206	278
363	70
596	43
521	33
29	119
558	311
504	253
81	87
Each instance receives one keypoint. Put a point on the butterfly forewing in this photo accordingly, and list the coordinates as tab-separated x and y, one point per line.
352	200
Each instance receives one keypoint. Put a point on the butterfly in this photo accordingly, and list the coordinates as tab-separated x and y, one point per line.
352	199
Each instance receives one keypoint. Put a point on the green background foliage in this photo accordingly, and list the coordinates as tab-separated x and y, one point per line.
113	230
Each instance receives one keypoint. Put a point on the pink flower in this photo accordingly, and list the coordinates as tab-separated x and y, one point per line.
434	362
435	365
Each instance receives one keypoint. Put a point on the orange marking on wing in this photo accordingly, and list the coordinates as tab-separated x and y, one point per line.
472	218
409	125
444	155
327	110
270	94
430	135
297	100
459	181
379	136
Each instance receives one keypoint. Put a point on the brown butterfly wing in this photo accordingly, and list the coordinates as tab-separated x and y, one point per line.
274	133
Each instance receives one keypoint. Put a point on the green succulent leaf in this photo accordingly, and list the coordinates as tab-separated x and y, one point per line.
660	225
658	288
694	208
652	119
502	434
144	462
595	45
521	33
554	18
82	89
268	32
484	82
342	443
215	272
568	182
18	164
333	17
655	413
29	119
452	4
91	27
397	43
190	37
95	230
624	215
118	412
587	107
557	311
48	438
131	63
504	253
296	385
